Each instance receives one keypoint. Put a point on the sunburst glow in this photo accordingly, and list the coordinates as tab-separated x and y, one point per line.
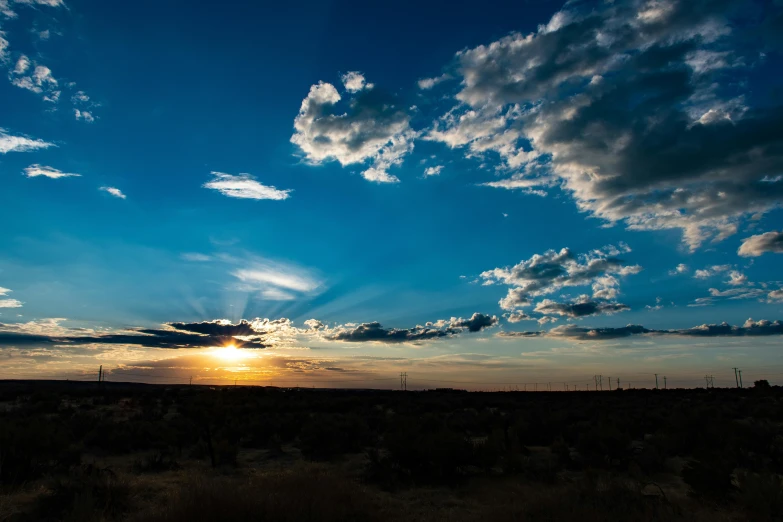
231	353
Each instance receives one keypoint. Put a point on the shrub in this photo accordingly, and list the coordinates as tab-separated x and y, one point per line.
709	479
87	494
761	494
305	495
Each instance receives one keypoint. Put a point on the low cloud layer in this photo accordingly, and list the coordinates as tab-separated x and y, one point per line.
375	332
749	329
255	333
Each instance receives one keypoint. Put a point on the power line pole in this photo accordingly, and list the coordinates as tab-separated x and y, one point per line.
100	373
740	378
656	381
664	382
618	383
736	379
404	381
710	381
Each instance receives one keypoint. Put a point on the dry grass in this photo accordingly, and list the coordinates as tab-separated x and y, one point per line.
311	493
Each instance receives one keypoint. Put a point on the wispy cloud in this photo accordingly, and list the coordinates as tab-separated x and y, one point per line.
36	78
433	171
276	281
8	302
10	143
50	172
117	193
244	186
196	257
6	6
83	115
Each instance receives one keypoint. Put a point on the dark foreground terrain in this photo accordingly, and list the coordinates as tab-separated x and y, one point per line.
80	452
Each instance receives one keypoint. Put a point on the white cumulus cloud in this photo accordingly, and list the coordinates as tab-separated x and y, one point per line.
244	186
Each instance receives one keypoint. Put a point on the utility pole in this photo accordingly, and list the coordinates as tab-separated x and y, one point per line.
656	381
100	373
404	381
740	378
710	381
618	383
664	382
736	379
610	384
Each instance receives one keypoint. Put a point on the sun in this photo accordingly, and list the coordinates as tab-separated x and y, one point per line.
231	353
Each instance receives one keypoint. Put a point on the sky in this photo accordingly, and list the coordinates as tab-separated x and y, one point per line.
525	194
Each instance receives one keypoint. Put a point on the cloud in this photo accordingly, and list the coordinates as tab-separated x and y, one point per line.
582	307
3	44
166	337
433	171
48	172
711	271
8	303
6	5
775	296
373	130
83	115
375	332
552	271
755	246
117	193
314	324
244	186
225	328
196	257
737	278
429	83
35	78
682	268
276	281
354	82
629	108
477	322
9	143
518	317
749	329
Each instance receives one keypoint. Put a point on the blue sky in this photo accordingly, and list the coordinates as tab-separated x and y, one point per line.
483	195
